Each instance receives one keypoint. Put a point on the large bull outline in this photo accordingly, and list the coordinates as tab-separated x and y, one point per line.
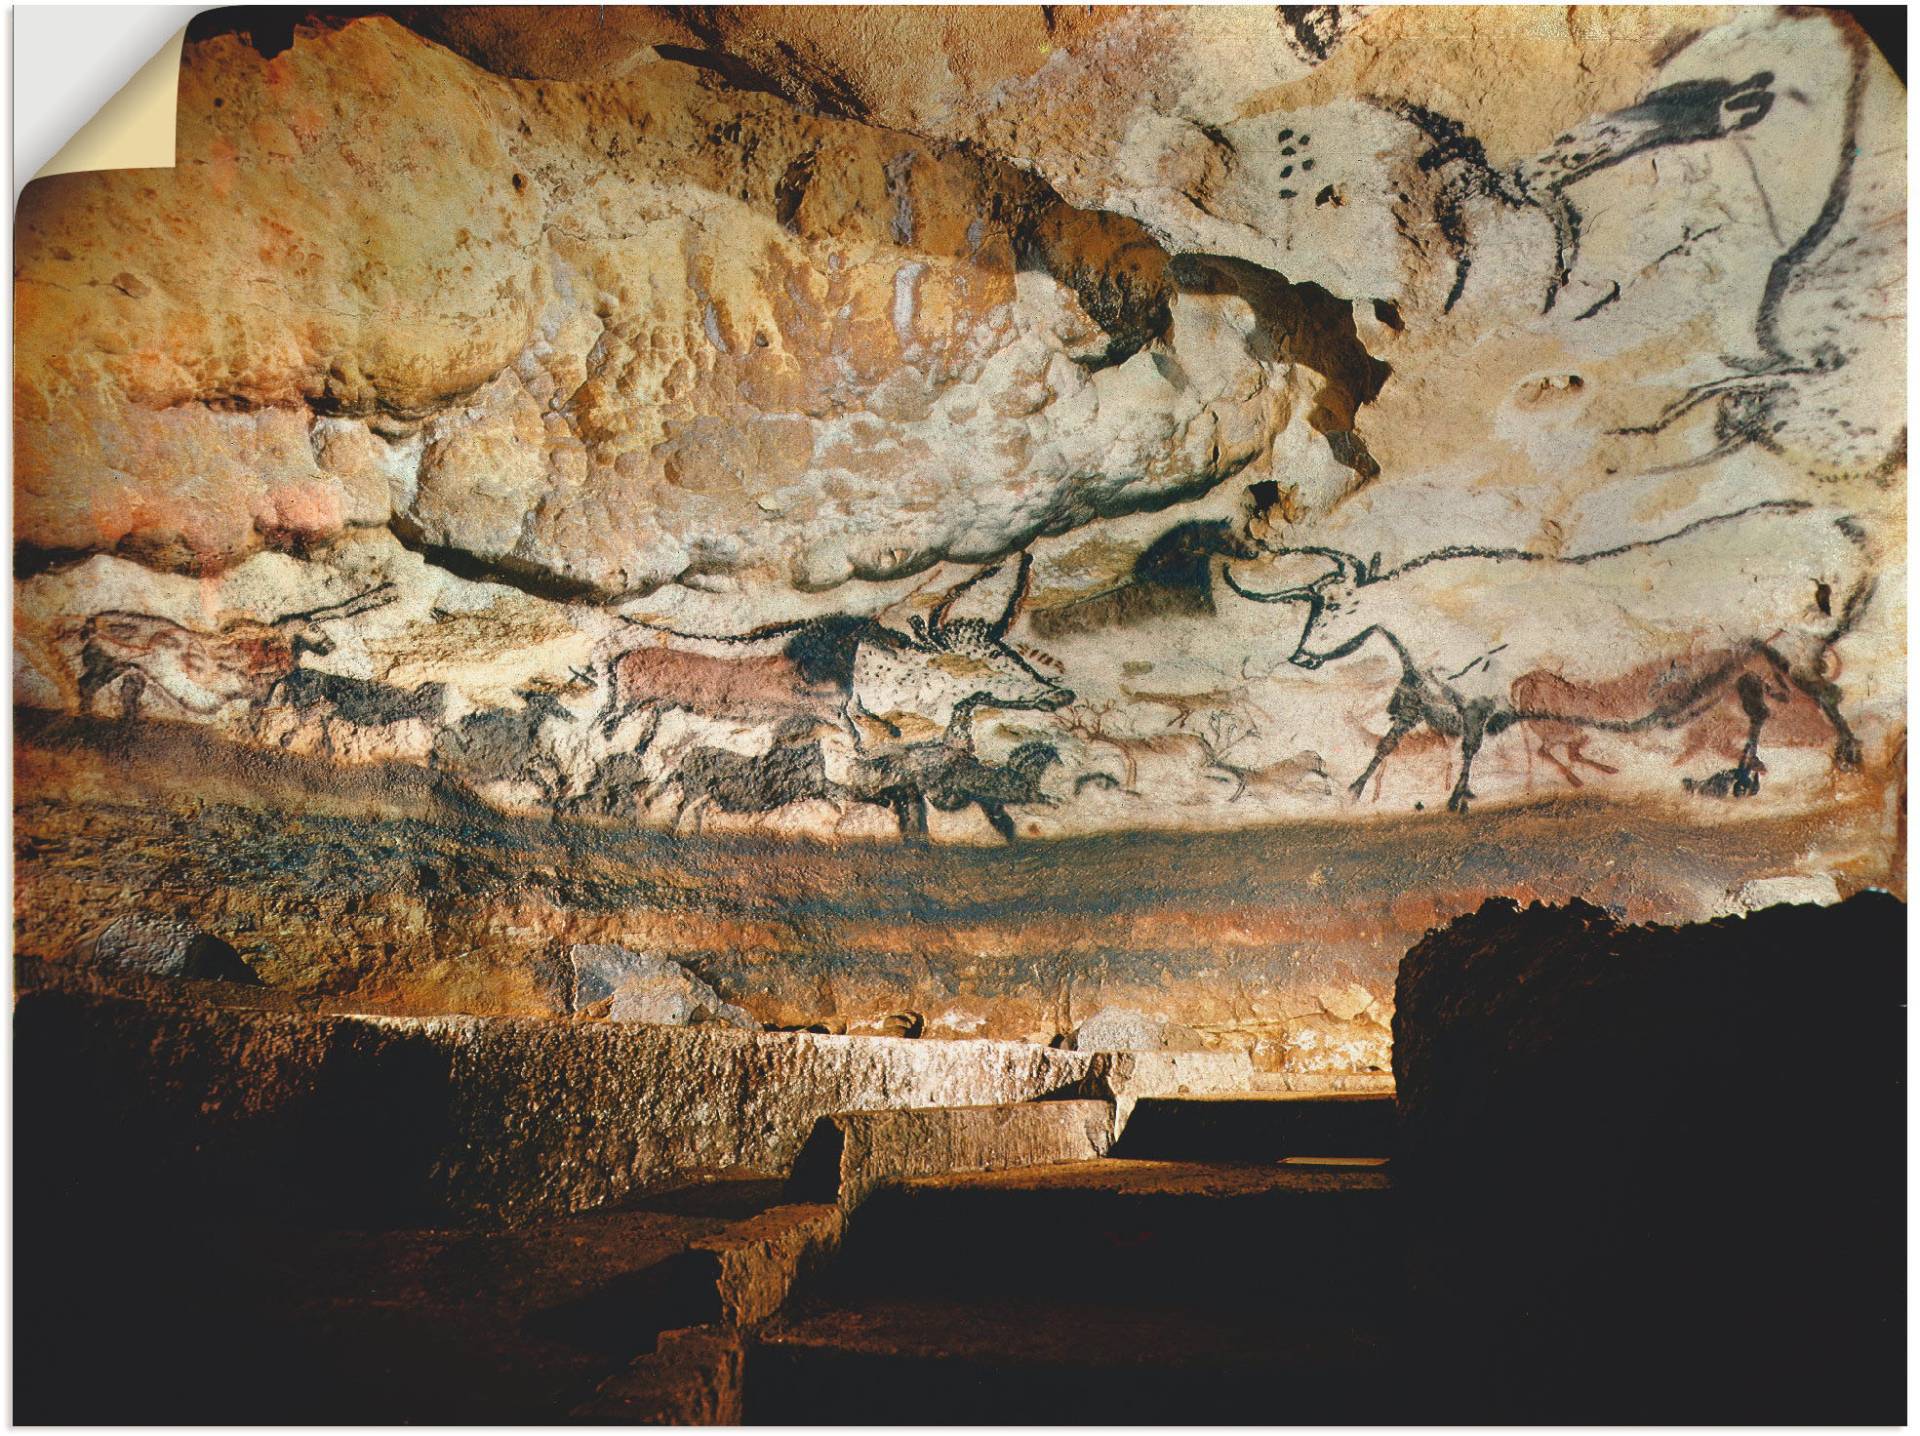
1674	599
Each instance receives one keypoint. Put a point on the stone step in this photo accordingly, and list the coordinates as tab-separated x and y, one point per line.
1260	1127
850	1154
1252	1236
1036	1360
1321	1082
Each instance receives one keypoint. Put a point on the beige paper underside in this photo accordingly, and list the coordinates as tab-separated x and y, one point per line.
134	129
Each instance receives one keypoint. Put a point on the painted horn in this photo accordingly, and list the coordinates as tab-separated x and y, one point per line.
1285	595
1346	568
376	597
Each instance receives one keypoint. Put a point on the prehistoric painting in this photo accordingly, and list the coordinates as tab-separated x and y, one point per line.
1152	514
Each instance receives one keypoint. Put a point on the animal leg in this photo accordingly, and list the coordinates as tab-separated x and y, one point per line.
1743	779
1566	246
1237	776
1577	753
1753	700
131	692
914	824
1473	728
1566	770
1002	823
1846	748
613	711
95	673
1388	742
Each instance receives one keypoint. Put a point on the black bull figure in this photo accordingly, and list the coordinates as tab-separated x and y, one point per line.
1476	630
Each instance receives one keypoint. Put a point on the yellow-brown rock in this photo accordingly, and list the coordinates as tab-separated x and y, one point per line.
839	426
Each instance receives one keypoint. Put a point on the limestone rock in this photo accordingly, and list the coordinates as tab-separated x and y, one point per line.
1120	1029
1588	1107
852	1154
645	987
467	1117
1817	888
156	946
1354	414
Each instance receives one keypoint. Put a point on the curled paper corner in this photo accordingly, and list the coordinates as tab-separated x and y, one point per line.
135	129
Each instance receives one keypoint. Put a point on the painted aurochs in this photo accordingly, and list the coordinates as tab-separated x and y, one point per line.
991	516
1477	674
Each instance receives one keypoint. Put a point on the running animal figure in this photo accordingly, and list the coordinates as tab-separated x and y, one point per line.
946	774
856	672
505	745
948	665
1779	582
200	673
357	702
789	772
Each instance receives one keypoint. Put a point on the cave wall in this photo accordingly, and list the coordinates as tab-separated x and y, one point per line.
1030	529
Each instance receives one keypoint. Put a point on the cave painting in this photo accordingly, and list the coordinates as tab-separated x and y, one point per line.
1688	112
245	662
1678	643
1341	456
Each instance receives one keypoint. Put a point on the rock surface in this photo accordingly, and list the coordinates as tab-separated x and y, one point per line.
851	1154
363	1118
1120	1029
643	987
714	425
163	947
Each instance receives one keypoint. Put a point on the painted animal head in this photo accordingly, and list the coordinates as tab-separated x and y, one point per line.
1337	614
1677	114
1032	759
304	631
955	660
548	695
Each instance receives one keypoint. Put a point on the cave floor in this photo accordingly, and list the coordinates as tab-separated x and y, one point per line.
224	1317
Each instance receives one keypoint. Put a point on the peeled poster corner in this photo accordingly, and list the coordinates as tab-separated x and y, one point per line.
134	129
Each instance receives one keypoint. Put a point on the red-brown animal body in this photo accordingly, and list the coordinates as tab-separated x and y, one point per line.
201	673
751	688
198	672
1794	720
1719	726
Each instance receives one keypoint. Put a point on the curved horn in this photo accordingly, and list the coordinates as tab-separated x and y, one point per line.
1285	595
359	603
1023	578
1350	567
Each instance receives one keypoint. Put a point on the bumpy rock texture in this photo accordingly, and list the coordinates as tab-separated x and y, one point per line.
895	427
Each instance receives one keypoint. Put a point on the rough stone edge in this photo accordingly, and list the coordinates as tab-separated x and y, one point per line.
1323	1082
755	1265
695	1376
1123	1078
852	1154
